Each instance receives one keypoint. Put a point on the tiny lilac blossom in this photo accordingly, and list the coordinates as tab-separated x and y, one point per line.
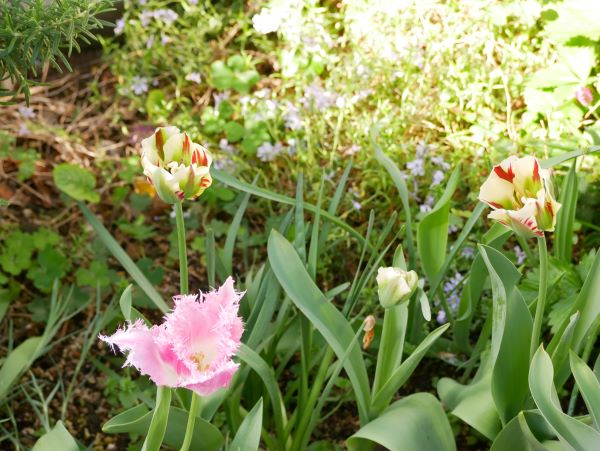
416	167
139	85
193	347
267	151
468	252
26	111
438	177
119	27
194	76
520	255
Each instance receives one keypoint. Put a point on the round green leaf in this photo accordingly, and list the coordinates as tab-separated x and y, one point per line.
76	182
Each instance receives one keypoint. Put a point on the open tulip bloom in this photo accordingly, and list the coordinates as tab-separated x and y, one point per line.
520	192
176	166
193	347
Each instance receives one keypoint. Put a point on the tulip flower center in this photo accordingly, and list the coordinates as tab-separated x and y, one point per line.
201	361
204	351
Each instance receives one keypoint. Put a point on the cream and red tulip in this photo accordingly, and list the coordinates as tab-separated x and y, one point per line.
176	166
520	192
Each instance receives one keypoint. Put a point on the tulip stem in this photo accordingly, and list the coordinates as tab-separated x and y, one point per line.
391	345
541	300
184	289
183	266
189	429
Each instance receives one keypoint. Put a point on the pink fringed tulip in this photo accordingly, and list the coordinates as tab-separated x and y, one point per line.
176	166
194	345
584	95
520	192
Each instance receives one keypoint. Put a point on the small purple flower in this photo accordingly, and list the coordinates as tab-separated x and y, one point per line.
164	39
119	26
439	161
468	252
427	206
26	111
149	42
193	2
438	177
452	228
23	130
267	151
194	76
225	146
441	317
218	98
521	256
318	97
292	146
224	164
139	85
356	204
142	2
291	117
146	17
168	16
416	167
421	149
452	291
584	95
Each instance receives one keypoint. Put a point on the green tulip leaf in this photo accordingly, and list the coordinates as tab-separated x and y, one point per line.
247	437
301	289
57	439
414	423
571	432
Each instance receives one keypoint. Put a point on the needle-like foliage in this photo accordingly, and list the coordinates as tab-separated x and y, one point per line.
36	32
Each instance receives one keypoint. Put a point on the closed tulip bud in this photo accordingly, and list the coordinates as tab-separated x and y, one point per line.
521	194
176	166
395	285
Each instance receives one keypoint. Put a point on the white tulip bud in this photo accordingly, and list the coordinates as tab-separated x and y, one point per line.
395	285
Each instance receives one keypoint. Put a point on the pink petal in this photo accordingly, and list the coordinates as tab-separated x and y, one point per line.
220	379
147	352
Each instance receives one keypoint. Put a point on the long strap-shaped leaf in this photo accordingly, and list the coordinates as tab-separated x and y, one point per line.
415	423
117	251
301	289
266	194
432	232
404	371
398	179
504	277
589	386
247	437
571	432
563	237
567	156
265	372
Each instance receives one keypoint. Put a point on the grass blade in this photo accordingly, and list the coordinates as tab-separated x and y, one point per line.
117	251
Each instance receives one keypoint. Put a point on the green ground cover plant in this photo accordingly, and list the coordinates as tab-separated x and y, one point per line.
399	204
